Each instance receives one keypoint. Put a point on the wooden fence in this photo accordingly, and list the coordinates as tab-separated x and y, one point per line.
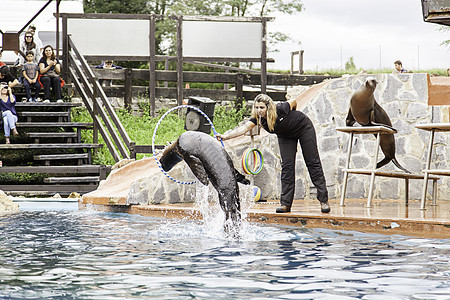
236	81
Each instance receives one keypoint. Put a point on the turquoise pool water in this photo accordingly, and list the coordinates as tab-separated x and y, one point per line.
71	254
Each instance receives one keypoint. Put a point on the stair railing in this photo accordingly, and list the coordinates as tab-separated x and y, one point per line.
91	92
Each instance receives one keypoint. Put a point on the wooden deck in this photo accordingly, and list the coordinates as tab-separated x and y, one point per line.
384	217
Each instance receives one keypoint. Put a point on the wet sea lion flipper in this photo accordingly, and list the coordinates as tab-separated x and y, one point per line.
197	168
350	120
241	178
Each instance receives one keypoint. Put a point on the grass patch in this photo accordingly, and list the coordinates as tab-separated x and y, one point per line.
140	128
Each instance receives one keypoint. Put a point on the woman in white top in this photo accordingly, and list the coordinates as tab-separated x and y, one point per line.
28	44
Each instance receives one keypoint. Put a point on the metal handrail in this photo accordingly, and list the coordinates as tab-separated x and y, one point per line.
92	89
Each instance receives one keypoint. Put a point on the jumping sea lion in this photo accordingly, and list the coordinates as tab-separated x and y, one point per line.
209	161
365	110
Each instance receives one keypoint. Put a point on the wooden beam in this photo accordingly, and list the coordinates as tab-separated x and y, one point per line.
152	67
180	60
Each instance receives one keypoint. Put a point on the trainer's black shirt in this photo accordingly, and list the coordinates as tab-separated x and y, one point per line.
289	123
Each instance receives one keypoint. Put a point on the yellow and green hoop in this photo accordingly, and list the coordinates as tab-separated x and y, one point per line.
254	155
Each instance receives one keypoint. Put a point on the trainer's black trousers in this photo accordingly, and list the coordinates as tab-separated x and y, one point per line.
288	150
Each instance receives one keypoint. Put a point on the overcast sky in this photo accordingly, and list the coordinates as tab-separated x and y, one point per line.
374	33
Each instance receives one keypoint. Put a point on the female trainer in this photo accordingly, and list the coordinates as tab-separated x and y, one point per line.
290	126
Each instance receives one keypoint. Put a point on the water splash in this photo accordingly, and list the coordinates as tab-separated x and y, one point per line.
207	203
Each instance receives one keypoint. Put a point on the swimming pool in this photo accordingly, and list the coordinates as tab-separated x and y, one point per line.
71	254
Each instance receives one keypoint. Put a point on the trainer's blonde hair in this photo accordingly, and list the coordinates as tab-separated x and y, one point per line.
271	110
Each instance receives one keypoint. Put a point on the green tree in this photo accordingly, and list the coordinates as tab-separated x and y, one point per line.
117	6
445	29
350	64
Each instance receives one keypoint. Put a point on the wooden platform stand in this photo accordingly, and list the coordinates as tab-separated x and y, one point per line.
378	130
432	127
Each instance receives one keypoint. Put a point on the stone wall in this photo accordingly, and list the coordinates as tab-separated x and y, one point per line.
403	96
7	205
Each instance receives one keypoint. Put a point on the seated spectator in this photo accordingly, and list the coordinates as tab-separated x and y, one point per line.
1	63
7	77
37	40
26	45
399	67
30	73
8	108
50	68
107	64
448	71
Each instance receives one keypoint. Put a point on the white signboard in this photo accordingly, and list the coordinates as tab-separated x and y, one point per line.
222	39
110	37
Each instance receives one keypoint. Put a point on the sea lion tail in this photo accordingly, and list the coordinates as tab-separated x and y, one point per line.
381	124
386	160
397	164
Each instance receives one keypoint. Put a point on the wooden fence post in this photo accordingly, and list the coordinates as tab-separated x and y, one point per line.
152	67
179	60
128	84
239	89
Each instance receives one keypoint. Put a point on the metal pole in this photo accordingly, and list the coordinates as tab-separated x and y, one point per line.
372	175
347	165
427	167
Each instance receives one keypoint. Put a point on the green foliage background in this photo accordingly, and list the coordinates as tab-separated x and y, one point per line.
140	128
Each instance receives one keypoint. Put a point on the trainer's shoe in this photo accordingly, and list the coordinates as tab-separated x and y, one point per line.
283	209
325	207
59	101
46	101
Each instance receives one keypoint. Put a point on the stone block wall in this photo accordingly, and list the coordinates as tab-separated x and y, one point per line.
405	99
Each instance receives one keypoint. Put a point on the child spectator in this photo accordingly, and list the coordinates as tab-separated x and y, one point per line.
30	73
8	108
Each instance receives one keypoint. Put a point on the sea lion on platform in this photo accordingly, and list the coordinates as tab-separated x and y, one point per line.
365	110
209	161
